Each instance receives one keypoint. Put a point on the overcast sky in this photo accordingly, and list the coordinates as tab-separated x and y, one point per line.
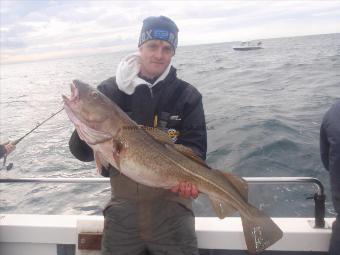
36	29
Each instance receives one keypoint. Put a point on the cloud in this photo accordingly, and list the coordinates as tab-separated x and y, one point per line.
33	27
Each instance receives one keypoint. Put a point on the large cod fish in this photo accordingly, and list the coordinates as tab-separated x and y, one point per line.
149	157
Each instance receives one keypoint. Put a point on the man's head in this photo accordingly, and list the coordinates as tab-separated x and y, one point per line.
157	45
159	28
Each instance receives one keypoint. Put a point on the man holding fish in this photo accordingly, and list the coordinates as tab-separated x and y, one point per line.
154	174
139	218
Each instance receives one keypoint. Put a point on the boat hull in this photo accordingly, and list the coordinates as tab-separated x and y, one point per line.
62	234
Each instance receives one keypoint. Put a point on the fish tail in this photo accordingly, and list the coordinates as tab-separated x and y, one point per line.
260	231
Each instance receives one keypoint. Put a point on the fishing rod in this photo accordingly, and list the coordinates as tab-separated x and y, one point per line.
15	142
39	124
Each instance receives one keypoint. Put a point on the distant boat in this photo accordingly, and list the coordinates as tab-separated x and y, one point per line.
244	46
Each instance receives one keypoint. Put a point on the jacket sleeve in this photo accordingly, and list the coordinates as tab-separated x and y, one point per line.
193	132
80	149
2	150
324	147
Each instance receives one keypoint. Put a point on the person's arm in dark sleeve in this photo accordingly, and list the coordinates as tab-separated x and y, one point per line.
2	150
324	147
193	133
80	149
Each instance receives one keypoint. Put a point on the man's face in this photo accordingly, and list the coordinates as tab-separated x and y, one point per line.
155	57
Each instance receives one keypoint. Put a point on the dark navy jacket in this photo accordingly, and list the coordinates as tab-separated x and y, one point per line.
330	149
177	104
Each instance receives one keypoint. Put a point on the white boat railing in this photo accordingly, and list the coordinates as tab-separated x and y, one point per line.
319	197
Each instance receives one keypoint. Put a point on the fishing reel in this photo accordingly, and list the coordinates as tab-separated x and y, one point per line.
10	165
4	166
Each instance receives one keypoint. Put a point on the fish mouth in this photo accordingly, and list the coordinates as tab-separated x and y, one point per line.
85	130
70	104
74	95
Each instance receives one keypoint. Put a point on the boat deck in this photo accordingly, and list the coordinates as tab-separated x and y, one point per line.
65	235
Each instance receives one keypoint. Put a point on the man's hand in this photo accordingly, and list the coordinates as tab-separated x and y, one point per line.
9	148
186	190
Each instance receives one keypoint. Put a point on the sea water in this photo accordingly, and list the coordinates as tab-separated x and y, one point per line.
263	111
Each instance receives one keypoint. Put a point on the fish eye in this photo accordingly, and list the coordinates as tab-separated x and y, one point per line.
94	94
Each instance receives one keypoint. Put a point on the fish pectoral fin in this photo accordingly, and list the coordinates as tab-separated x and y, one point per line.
157	134
222	209
238	182
186	151
117	147
100	162
260	231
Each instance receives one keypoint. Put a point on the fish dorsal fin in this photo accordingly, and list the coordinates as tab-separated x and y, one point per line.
238	182
163	138
157	134
222	208
186	151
